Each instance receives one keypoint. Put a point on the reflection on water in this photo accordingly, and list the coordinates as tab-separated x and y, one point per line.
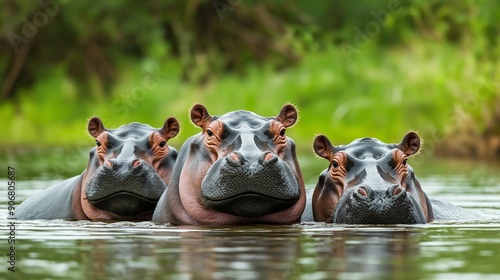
84	250
125	250
356	253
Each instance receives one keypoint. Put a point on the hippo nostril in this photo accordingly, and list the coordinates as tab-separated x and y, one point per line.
234	156
395	190
110	163
267	157
362	191
135	163
235	159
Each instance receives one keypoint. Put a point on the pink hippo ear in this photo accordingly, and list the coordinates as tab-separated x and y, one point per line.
323	147
287	115
95	127
410	143
200	116
170	128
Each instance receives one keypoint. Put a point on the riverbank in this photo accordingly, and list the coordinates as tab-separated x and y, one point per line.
377	93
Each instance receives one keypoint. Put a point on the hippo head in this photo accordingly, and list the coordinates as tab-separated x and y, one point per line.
128	170
241	168
370	182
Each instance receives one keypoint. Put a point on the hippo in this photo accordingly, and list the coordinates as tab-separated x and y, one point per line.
128	170
371	182
241	169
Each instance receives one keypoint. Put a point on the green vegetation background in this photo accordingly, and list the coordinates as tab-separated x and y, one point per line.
353	69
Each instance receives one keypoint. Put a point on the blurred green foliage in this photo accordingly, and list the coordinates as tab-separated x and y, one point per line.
354	69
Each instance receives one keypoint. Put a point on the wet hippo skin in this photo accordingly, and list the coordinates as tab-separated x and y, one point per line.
371	182
241	169
127	172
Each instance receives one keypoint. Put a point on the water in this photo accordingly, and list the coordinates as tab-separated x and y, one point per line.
124	250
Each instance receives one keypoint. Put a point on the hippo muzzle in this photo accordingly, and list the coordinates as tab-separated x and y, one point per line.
250	188
363	205
125	188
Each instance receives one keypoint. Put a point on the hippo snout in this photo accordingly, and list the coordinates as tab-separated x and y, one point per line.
250	186
366	205
125	187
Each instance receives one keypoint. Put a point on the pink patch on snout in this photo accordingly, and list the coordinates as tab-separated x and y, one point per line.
397	190
108	163
362	192
234	156
268	156
136	163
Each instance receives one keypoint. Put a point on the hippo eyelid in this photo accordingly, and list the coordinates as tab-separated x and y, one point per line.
162	144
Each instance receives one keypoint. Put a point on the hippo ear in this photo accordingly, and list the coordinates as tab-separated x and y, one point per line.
170	128
287	115
410	144
95	127
199	115
323	147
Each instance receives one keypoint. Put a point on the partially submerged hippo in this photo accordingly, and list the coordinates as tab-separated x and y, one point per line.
127	172
371	182
241	169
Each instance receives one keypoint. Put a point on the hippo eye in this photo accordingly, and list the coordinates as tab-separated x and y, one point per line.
404	161
335	164
97	143
282	132
162	144
210	133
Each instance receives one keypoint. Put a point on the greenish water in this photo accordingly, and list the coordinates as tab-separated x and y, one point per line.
124	250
